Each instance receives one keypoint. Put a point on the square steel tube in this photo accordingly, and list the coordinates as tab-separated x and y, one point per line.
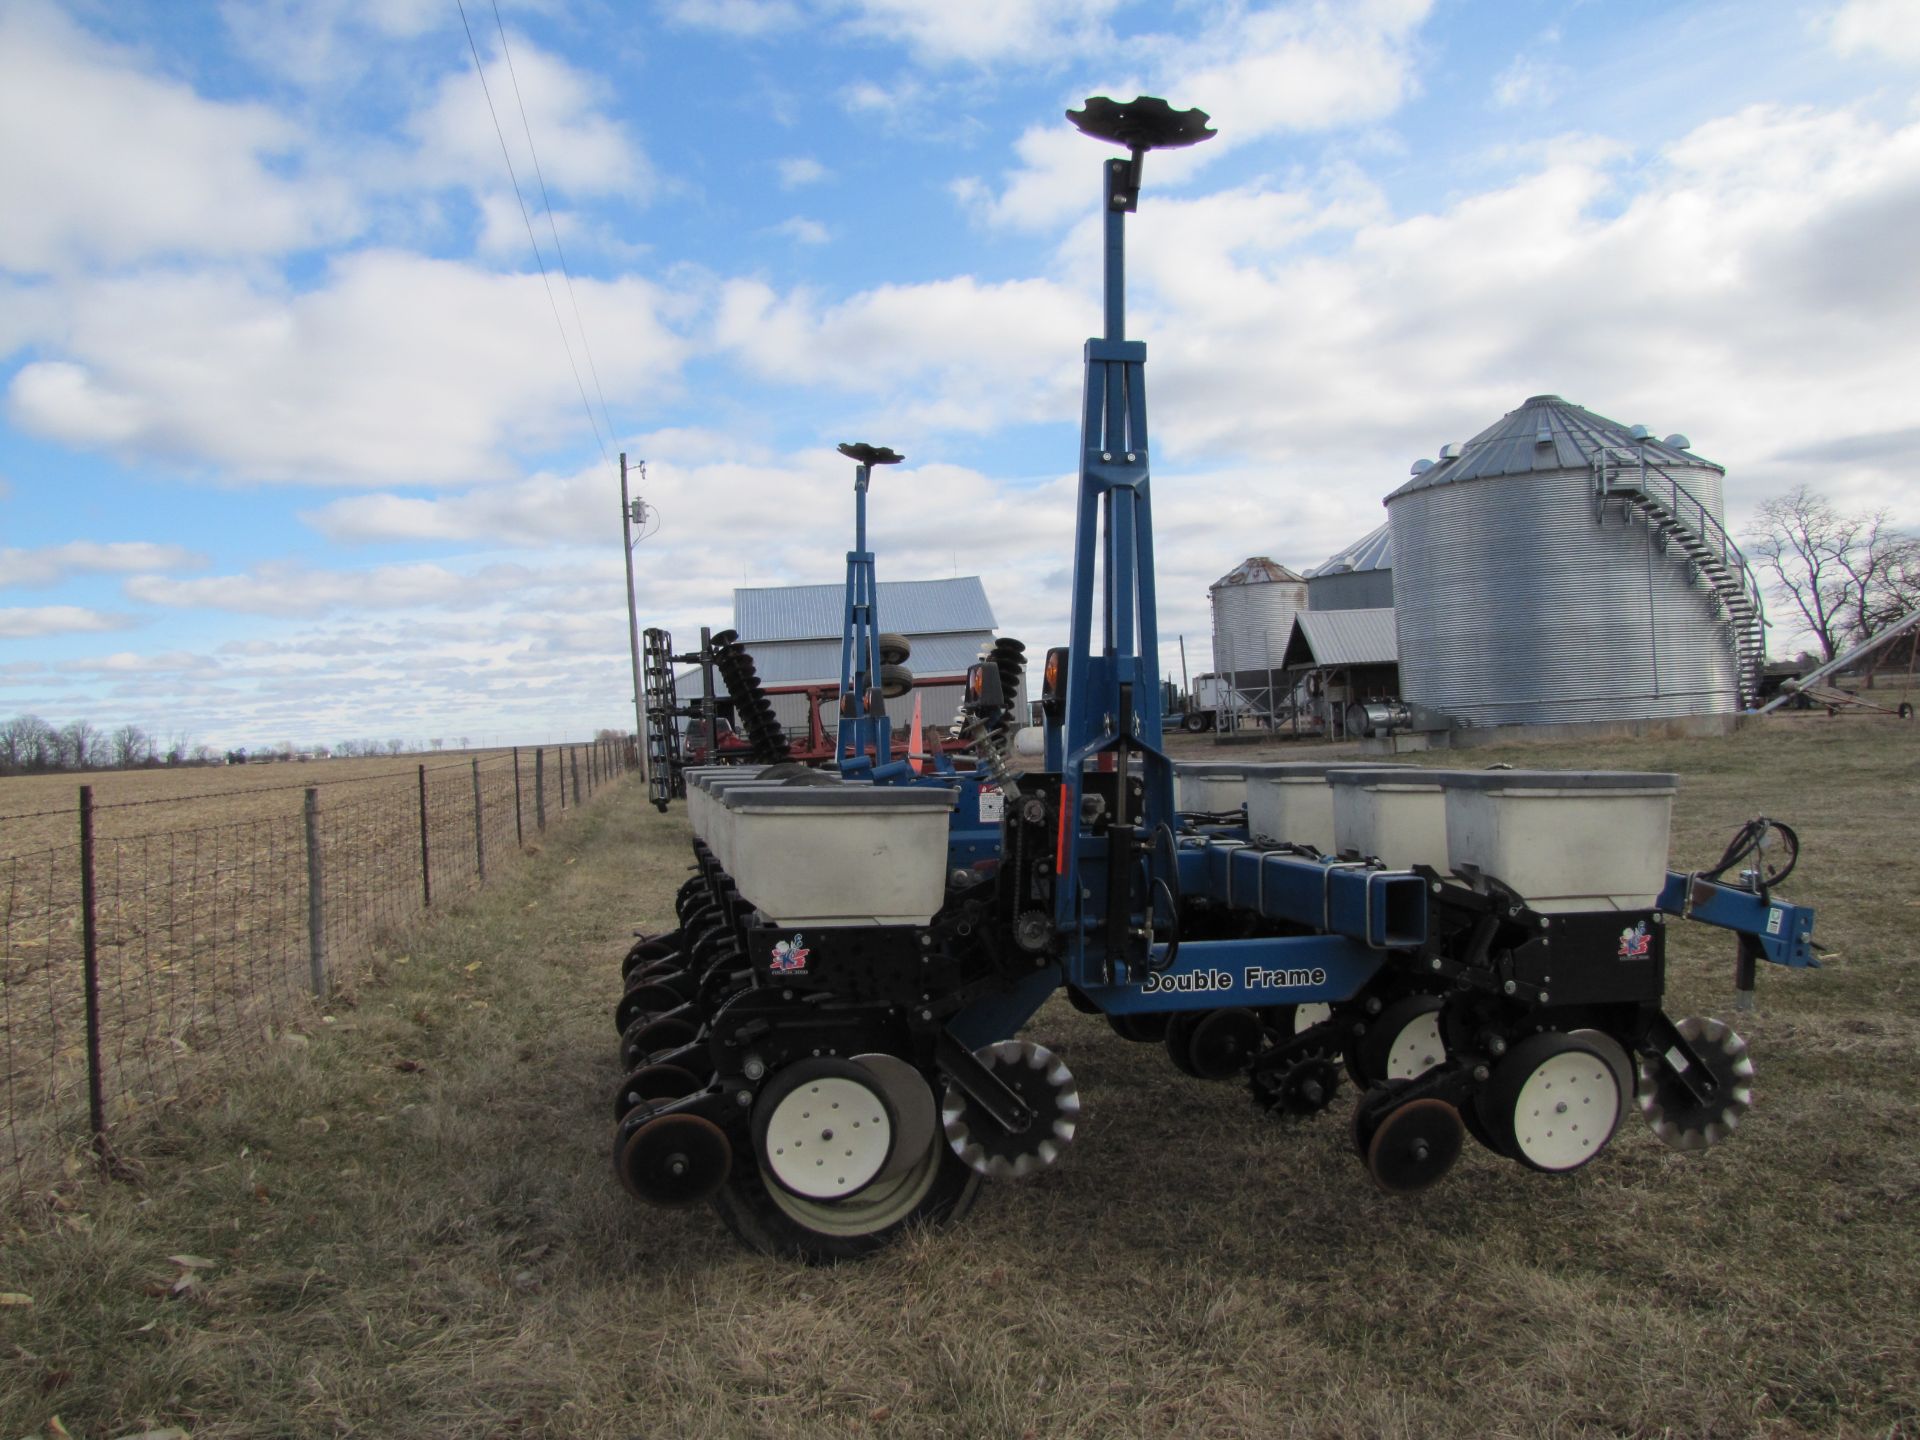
1383	909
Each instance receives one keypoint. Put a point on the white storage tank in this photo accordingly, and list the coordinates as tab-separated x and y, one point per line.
1253	608
1523	595
835	855
1209	788
1396	814
1291	802
1566	840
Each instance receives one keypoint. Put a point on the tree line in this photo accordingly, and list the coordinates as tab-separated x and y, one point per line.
30	745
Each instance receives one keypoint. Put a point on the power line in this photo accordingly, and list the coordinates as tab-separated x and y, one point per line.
525	215
546	201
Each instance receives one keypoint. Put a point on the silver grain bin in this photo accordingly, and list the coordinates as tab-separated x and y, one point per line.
1541	576
1253	609
1360	577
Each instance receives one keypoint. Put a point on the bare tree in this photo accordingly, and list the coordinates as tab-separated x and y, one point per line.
396	745
1846	575
28	743
129	746
82	746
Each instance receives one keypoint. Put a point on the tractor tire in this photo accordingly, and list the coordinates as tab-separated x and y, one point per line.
895	649
895	681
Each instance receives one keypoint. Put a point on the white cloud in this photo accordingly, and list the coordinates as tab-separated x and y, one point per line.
581	150
1529	82
802	231
20	624
1288	69
101	162
955	353
54	563
284	588
1887	27
398	369
799	170
985	32
734	17
318	43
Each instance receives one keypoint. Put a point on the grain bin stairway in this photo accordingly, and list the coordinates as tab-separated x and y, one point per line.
1674	517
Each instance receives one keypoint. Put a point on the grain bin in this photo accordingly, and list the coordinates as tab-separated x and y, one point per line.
1360	577
1560	567
1253	608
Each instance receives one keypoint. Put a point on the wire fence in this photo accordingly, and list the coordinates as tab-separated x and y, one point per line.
129	962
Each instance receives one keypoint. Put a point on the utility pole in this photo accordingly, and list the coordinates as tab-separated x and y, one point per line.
631	511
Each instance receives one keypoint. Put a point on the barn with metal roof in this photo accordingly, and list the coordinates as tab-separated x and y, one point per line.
1344	657
793	633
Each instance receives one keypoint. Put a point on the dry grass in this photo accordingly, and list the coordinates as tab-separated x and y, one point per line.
443	1251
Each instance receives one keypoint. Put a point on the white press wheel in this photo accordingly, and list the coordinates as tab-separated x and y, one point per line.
823	1129
1553	1103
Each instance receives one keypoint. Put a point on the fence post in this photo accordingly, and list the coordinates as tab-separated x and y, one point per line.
90	961
426	868
593	777
560	763
316	900
479	836
519	831
573	755
540	787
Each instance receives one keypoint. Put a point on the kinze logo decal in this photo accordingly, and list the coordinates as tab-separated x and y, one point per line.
1254	977
1636	943
789	957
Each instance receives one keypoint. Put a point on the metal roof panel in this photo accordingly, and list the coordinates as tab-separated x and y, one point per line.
816	612
1373	551
1342	637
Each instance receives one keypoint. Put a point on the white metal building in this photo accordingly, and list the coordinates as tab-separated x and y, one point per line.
793	633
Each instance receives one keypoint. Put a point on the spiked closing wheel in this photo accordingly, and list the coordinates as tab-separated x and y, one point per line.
1305	1087
1674	1114
672	1160
1413	1145
1034	1074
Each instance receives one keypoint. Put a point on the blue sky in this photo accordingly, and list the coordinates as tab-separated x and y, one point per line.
292	447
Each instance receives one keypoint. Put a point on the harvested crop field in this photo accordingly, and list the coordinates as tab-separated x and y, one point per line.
404	1221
